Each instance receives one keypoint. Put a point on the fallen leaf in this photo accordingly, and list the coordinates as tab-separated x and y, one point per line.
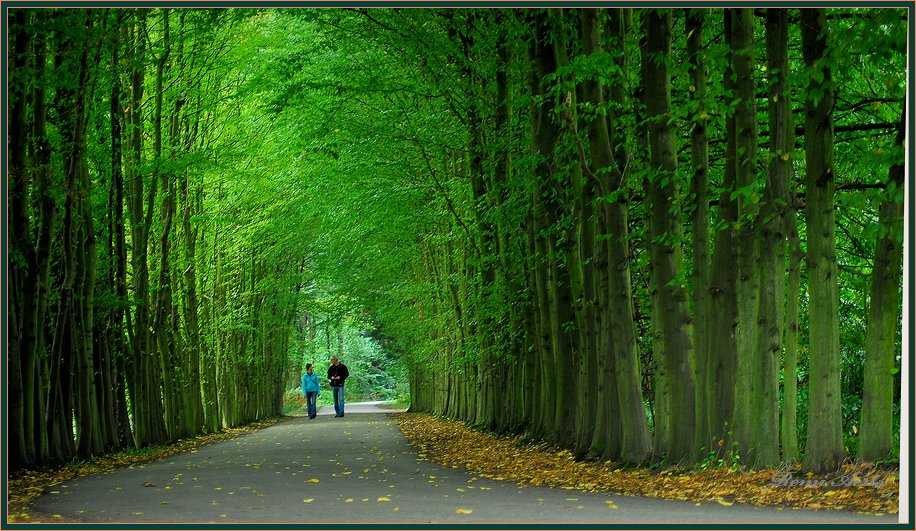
314	480
383	499
308	500
463	511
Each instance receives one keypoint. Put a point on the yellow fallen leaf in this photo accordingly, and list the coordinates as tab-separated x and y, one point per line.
463	511
611	504
308	500
383	499
348	500
314	480
720	501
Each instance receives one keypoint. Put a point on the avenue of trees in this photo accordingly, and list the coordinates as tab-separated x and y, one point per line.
148	301
644	235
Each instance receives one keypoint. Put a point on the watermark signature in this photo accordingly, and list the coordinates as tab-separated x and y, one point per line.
784	478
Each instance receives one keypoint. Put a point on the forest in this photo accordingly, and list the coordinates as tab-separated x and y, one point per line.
651	236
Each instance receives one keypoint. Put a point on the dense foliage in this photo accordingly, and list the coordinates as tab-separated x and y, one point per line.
638	234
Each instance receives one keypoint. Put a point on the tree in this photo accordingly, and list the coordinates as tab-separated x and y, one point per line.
665	231
824	448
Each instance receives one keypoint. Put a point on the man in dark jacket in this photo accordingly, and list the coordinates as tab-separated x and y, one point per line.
337	374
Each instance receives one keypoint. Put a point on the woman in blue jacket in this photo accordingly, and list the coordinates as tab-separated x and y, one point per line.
311	390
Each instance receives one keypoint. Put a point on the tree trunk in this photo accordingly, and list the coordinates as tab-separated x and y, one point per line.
877	441
577	194
765	402
746	392
46	222
544	137
723	303
627	429
21	355
699	189
149	424
824	449
665	230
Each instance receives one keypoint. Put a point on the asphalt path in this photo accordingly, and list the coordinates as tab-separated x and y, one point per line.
358	469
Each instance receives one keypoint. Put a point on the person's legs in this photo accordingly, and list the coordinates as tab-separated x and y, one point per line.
338	399
311	399
341	400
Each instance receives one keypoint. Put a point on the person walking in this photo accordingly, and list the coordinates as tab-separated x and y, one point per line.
337	374
311	389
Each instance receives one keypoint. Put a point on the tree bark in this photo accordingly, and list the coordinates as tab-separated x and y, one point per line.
877	440
21	354
765	404
824	449
699	189
665	231
723	303
746	391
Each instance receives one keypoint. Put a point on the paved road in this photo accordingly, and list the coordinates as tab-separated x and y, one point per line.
358	468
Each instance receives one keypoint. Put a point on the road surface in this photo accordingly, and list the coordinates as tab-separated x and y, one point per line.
358	468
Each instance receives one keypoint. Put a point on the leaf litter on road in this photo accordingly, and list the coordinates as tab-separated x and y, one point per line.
454	444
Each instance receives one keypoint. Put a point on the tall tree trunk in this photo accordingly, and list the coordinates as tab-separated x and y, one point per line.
723	280
665	230
699	189
145	393
577	195
824	449
765	404
118	345
162	327
544	137
89	441
742	51
877	440
627	428
21	452
46	221
486	415
788	430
